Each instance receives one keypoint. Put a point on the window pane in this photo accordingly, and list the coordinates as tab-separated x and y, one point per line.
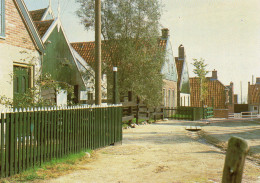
23	84
16	87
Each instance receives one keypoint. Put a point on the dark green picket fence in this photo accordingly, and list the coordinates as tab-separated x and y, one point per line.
188	113
30	138
208	112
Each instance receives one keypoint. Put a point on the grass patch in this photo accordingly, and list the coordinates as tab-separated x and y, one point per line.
54	168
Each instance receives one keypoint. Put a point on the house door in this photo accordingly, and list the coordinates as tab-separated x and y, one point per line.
21	80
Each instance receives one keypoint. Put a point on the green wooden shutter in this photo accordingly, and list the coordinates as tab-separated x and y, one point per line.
21	80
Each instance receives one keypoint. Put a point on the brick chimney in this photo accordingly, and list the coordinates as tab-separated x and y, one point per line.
257	80
181	52
165	33
214	74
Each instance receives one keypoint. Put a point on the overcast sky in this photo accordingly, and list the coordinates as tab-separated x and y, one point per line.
226	33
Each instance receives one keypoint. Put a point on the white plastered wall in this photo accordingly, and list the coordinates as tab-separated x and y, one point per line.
10	56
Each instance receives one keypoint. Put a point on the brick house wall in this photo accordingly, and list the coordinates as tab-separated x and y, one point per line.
220	113
16	49
16	33
169	101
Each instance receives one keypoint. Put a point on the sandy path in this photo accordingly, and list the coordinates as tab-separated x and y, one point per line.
162	152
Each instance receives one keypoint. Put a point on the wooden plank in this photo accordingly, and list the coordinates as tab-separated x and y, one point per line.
129	104
12	143
20	114
127	118
28	140
7	146
16	121
2	145
23	139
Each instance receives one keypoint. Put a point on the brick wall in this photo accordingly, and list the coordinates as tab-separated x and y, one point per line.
172	86
220	113
16	33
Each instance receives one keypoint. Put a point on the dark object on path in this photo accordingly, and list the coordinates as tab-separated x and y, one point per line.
193	128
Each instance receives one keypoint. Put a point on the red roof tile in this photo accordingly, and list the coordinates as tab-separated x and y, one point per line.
216	94
37	14
43	26
87	51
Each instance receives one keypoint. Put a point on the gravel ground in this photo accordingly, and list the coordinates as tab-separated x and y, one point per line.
165	152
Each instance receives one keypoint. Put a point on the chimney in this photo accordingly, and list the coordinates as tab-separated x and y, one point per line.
181	52
165	33
257	80
214	75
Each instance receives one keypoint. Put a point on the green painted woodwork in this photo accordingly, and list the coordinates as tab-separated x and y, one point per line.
21	80
185	83
32	138
169	70
58	60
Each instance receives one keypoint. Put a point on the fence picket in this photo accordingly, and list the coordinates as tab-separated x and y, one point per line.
7	145
33	136
2	145
12	139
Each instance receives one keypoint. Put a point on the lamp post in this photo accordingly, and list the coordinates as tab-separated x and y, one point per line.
115	92
98	52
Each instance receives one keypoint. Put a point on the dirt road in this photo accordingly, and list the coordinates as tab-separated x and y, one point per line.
159	153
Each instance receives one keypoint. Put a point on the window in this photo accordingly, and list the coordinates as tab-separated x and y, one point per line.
255	108
90	96
173	97
164	97
2	18
21	80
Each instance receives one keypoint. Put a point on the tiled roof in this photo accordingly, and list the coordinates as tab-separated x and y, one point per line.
43	26
87	50
37	14
179	66
254	94
216	94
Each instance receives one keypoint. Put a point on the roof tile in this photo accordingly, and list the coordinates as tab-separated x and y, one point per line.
37	14
43	26
216	94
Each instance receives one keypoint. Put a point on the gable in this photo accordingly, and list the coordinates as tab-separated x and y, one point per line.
216	94
185	82
169	69
253	94
58	59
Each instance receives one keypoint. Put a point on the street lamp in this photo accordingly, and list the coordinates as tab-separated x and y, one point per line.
115	92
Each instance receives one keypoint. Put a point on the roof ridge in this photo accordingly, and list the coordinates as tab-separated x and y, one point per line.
44	20
39	9
83	42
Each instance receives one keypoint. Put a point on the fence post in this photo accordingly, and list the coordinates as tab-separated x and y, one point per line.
130	109
235	160
137	110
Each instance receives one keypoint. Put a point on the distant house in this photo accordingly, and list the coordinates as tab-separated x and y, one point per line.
60	60
231	97
86	51
169	72
217	96
183	85
254	96
21	49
